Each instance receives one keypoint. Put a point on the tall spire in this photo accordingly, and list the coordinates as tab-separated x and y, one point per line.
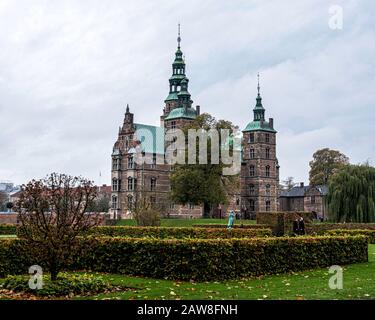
127	108
179	36
259	110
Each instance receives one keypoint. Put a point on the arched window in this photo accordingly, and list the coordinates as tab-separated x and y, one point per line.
251	205
268	189
252	153
267	137
267	171
252	189
114	202
252	171
153	184
267	153
131	183
268	205
115	184
251	137
130	162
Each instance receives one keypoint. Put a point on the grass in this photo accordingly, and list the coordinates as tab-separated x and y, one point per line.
165	222
359	283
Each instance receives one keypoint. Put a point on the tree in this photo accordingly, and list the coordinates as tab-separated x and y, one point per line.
204	183
325	163
288	183
3	200
52	213
351	196
100	204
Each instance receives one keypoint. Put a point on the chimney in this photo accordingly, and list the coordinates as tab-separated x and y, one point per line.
271	123
198	108
302	184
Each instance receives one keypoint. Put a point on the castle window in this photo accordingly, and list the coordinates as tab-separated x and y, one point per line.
237	202
267	137
252	205
267	153
116	164
268	190
115	185
191	206
152	201
252	189
153	184
312	199
252	171
251	137
267	171
130	162
252	153
268	205
130	202
131	183
173	124
114	202
153	164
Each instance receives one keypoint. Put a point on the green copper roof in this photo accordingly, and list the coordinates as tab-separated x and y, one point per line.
183	93
172	96
151	137
177	77
180	113
259	126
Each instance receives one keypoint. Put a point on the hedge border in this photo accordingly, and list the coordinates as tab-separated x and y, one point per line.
370	234
197	259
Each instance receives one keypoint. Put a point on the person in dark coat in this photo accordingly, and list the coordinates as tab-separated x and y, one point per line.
301	226
296	227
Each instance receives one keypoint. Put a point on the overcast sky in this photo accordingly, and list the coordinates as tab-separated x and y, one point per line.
68	69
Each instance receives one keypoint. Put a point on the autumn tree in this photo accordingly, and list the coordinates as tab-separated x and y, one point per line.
351	196
205	184
52	214
325	163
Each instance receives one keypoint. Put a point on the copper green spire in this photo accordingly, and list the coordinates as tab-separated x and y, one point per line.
258	110
179	36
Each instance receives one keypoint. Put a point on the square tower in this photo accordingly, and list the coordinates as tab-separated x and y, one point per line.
260	168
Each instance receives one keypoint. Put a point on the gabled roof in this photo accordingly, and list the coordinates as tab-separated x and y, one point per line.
299	191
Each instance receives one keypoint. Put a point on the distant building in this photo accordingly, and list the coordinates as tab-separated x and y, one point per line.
305	198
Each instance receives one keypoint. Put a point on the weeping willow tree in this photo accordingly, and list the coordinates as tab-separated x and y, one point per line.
351	196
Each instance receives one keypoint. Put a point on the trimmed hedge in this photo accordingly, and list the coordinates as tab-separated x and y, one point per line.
8	229
240	226
321	228
197	259
179	233
368	233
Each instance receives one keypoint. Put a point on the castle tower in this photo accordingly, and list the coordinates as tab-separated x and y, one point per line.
178	109
260	169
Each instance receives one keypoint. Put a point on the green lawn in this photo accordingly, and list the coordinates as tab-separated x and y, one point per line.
359	283
185	222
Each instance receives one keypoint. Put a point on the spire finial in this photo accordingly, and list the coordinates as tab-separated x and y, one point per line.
258	85
127	108
179	35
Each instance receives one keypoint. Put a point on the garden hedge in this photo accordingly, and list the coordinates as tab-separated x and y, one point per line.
198	259
240	226
8	229
179	233
321	228
370	234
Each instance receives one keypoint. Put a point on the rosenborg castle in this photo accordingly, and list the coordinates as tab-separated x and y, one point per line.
133	182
